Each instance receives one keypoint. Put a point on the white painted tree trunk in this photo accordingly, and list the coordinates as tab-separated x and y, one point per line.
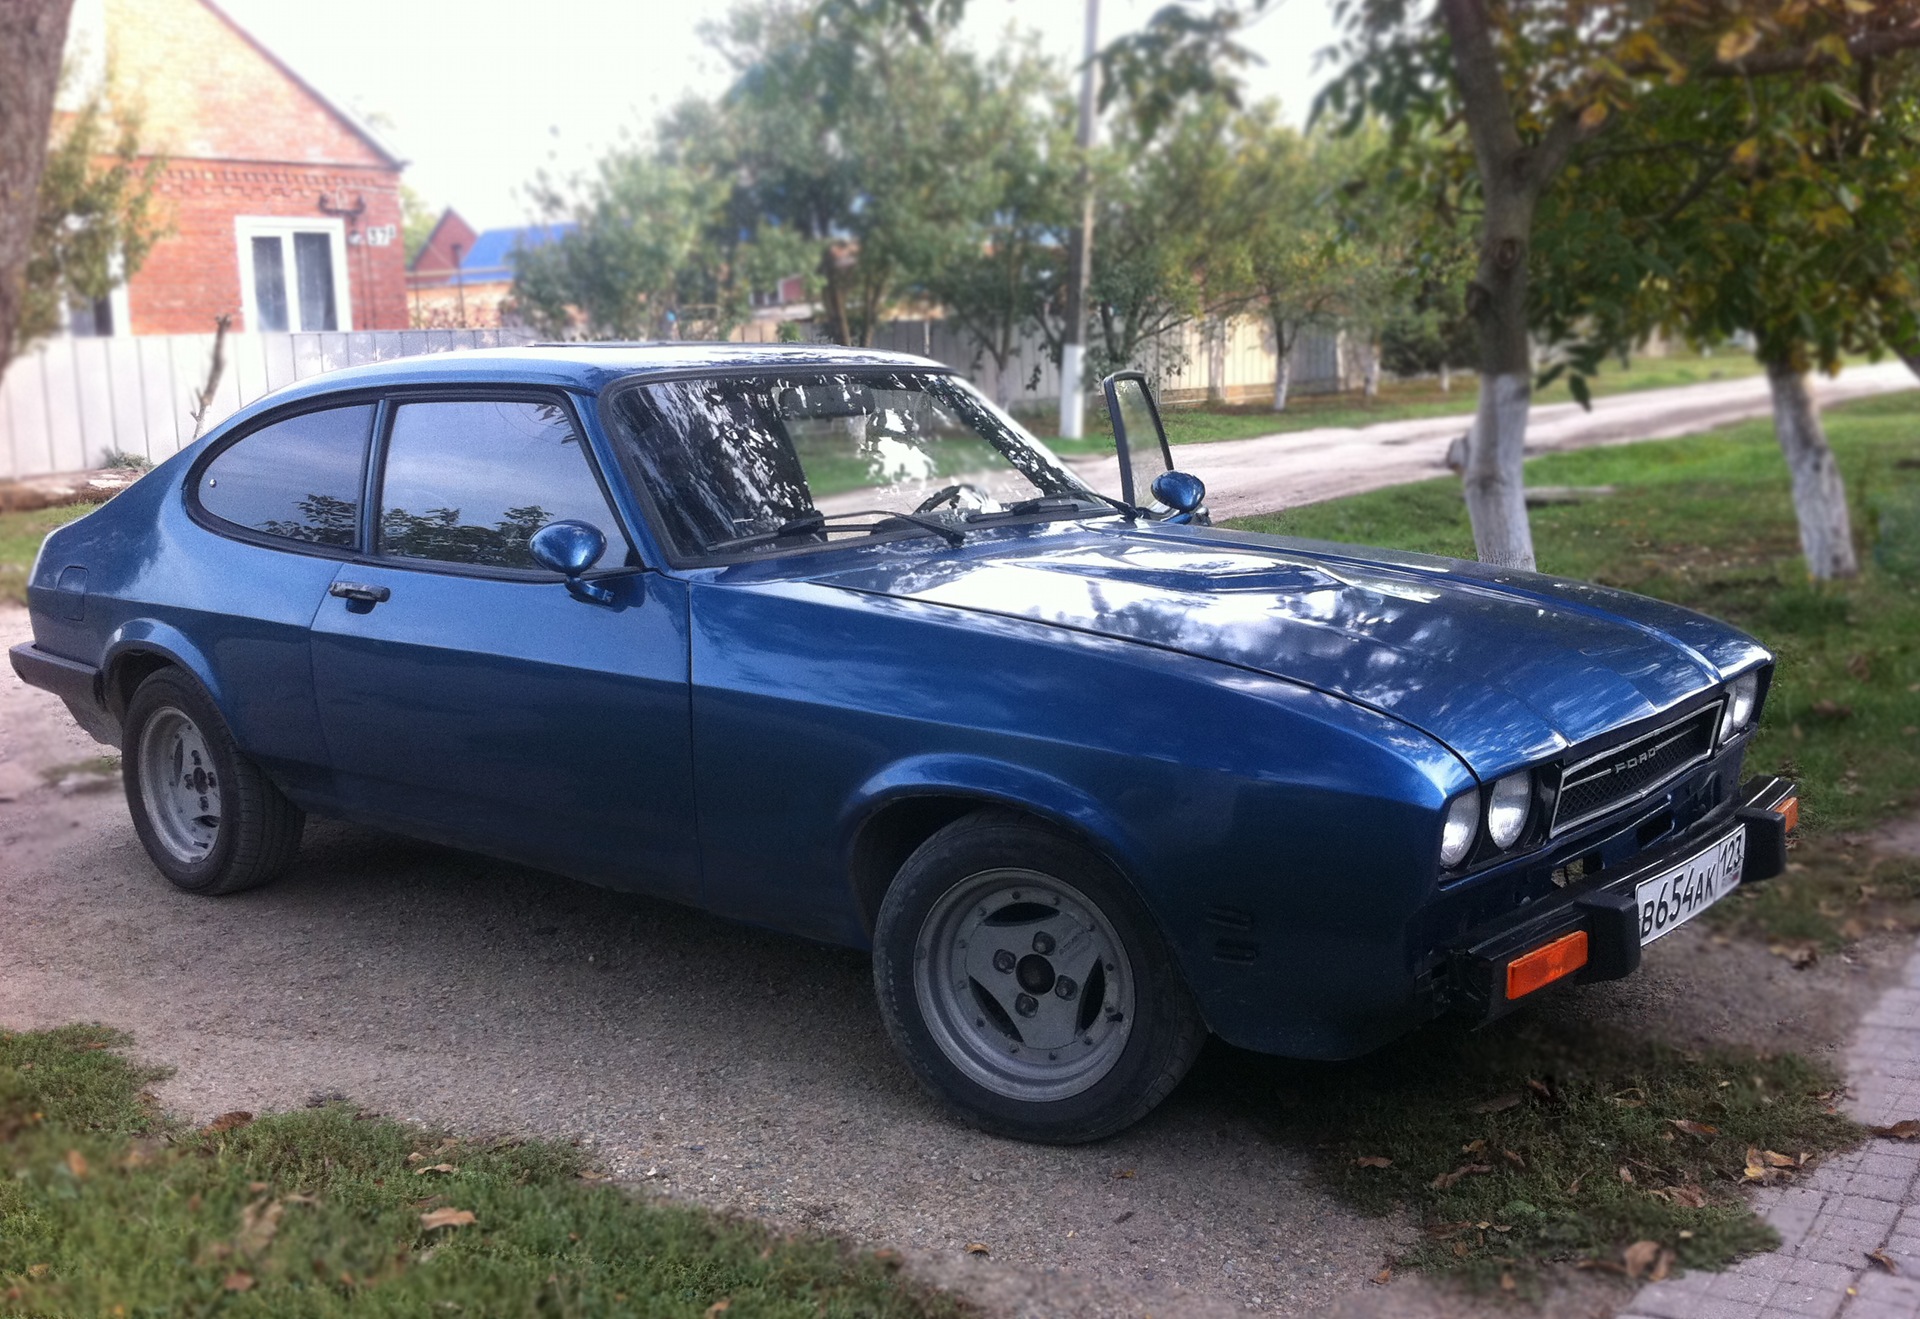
1217	360
1446	378
1372	351
1282	379
1495	489
1819	494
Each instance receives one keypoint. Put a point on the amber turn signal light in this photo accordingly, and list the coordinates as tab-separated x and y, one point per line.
1789	810
1546	964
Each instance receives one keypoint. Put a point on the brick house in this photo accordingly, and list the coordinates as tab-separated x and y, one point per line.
461	278
284	209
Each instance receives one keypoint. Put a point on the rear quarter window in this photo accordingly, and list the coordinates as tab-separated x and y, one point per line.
298	479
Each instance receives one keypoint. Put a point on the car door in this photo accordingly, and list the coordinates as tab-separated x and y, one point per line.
466	696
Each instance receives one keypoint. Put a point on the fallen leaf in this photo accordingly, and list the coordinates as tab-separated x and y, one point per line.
37	1270
1776	1160
1905	1129
228	1122
1573	1187
1497	1105
891	1258
1124	1175
258	1222
1385	1276
1506	1282
446	1218
1473	1147
1884	1260
438	1167
1446	1179
1690	1196
1372	1161
1541	1088
1626	1174
1737	43
978	1248
1799	956
1832	710
1640	1257
1692	1128
239	1281
1513	1158
719	1307
76	1163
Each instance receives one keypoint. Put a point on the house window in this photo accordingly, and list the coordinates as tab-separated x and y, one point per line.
293	274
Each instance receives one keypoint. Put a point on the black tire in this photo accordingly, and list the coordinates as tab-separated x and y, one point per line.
256	830
966	858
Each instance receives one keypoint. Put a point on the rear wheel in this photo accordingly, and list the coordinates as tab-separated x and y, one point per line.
1026	985
209	819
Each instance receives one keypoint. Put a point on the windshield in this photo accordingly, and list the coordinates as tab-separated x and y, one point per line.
737	463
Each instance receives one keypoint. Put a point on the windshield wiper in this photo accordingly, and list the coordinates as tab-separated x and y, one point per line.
1026	507
814	522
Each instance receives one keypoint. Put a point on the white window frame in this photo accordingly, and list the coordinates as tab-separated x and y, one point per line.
246	228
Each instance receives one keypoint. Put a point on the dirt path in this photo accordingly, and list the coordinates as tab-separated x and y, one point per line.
717	1063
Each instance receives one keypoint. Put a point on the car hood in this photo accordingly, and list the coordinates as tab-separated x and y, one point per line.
1504	667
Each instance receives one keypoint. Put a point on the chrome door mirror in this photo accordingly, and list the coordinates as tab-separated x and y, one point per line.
1183	492
571	549
1137	434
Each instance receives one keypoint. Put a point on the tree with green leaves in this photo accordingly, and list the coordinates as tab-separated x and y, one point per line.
994	283
96	217
33	37
1781	208
1529	82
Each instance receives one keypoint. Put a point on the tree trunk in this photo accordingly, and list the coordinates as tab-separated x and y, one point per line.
1446	378
1819	495
33	37
1282	371
1216	332
1373	370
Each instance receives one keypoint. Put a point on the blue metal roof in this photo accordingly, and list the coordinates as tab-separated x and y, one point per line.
492	252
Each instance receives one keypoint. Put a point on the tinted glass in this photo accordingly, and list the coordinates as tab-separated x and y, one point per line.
1146	447
313	265
735	457
270	283
471	481
299	478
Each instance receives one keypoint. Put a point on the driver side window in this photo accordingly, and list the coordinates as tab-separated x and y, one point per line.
469	481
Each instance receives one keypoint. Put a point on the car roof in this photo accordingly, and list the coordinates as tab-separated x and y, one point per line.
589	367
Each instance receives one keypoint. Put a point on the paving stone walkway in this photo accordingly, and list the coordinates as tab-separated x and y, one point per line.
1830	1222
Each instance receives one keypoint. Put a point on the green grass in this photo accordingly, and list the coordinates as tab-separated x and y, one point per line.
1508	1145
107	1208
1398	401
20	537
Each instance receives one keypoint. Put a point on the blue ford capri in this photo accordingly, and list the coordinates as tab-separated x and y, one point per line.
822	640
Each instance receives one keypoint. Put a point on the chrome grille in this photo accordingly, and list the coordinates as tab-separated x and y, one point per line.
1596	785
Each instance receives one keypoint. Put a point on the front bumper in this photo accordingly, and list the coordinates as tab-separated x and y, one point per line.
1475	981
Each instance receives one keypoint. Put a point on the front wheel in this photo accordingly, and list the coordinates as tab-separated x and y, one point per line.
1026	985
209	819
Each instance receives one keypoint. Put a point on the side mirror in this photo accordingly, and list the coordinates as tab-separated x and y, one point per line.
1137	433
570	549
1182	492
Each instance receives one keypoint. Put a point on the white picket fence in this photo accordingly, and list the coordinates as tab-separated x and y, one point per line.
66	404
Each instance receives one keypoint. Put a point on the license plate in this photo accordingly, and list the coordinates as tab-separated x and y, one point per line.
1674	897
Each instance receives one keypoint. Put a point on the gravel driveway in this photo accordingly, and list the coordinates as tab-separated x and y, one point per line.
705	1060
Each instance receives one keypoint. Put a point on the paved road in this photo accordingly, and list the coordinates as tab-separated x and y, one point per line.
1303	467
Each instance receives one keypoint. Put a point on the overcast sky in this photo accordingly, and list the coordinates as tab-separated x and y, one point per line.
480	95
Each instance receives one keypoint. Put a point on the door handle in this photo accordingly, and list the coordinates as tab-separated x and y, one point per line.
359	593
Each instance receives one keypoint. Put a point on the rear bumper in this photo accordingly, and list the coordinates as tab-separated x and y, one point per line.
73	682
1608	913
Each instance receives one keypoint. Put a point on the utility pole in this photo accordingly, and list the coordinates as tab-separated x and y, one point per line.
1073	348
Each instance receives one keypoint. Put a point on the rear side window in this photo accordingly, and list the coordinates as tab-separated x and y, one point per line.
298	479
470	481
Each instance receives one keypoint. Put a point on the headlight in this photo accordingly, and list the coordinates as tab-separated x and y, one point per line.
1507	808
1463	822
1742	692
